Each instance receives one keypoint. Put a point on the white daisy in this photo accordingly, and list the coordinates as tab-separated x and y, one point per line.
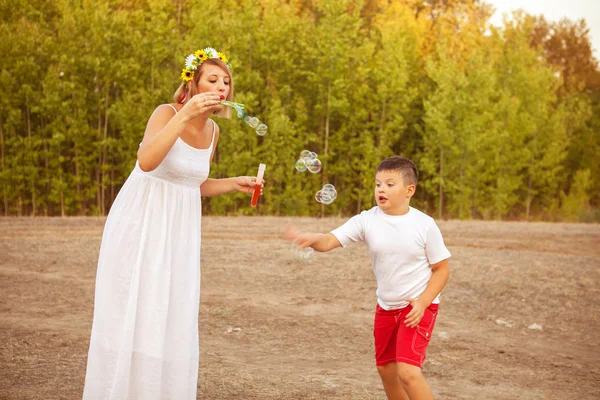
191	62
210	52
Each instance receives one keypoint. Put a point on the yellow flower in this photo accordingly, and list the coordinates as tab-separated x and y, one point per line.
201	55
222	57
187	75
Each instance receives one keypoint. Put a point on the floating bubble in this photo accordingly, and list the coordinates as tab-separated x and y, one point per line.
261	130
240	113
253	122
302	255
247	119
304	154
312	155
300	165
319	196
327	194
330	191
323	197
314	165
327	200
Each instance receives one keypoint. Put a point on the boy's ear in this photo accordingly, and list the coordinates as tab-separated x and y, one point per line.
411	190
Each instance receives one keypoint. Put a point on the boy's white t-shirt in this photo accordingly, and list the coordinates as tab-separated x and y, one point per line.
402	248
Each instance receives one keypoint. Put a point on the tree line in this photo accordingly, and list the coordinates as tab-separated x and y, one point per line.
502	121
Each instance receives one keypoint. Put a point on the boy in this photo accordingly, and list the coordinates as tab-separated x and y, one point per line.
410	262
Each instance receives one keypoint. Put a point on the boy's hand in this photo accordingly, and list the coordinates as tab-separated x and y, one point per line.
290	232
416	314
303	240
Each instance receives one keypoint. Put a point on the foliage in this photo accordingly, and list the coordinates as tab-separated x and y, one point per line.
503	122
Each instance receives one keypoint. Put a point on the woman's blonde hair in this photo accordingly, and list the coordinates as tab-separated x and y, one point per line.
192	89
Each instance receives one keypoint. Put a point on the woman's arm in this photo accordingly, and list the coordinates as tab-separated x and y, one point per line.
215	187
165	126
162	130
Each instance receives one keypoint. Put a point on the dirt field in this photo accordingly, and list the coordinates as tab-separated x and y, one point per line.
305	328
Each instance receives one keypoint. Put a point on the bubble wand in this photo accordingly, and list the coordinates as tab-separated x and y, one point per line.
237	106
261	129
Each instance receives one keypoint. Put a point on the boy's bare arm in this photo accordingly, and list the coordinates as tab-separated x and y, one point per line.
439	278
319	241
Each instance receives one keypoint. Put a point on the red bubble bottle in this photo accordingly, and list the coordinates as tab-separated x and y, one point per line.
258	184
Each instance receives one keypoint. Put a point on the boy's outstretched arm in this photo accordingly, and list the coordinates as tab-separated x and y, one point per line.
319	241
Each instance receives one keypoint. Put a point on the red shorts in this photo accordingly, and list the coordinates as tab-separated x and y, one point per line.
395	342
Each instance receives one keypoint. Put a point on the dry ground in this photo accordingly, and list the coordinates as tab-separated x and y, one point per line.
306	327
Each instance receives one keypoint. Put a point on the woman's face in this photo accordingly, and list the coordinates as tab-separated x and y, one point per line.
214	79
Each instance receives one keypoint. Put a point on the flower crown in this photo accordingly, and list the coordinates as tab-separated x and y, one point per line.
193	61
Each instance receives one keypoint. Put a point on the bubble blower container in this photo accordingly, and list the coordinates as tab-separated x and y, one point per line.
258	184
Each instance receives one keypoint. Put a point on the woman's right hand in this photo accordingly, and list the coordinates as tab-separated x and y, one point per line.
200	104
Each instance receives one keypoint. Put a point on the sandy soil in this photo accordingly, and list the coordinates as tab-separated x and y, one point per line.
306	328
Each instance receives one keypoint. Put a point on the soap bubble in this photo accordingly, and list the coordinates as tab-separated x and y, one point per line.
319	196
309	161
323	197
253	122
302	255
329	189
240	113
327	200
314	165
300	165
247	119
261	130
327	194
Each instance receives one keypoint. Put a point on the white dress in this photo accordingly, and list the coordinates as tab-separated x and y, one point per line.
144	342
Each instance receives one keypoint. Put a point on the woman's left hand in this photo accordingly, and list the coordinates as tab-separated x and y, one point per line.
245	184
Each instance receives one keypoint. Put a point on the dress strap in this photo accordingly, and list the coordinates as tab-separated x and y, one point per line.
214	130
173	108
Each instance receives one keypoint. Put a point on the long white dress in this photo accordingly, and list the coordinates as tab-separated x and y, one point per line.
144	342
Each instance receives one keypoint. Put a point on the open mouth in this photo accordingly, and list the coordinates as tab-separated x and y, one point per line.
381	198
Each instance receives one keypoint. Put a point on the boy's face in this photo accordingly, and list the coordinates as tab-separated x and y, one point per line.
391	193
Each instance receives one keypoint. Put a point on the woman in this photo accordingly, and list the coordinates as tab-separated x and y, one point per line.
144	342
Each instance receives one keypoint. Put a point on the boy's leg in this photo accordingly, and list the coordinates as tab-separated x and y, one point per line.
400	352
390	377
413	382
385	331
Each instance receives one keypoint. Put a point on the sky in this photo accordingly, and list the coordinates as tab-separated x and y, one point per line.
554	10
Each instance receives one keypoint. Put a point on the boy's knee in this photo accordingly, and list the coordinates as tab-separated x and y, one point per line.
388	371
409	374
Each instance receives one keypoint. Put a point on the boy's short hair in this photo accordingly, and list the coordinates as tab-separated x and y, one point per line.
402	165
